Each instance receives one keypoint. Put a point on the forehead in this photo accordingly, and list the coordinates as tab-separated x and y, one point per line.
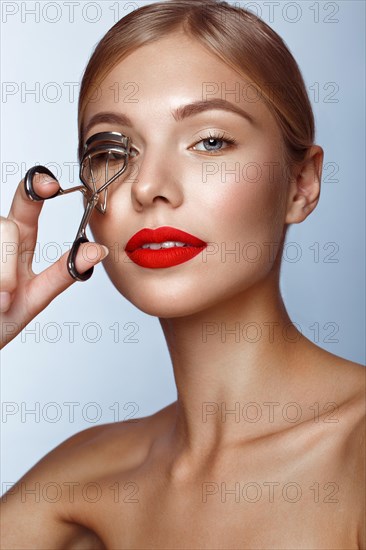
170	72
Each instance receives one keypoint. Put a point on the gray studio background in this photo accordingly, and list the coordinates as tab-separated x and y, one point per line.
103	375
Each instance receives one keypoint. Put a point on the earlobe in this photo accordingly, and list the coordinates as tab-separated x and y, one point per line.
304	189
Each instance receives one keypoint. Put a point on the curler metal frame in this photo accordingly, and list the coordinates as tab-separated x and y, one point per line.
107	143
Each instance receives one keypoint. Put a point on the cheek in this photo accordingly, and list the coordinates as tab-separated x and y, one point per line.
249	209
248	199
108	229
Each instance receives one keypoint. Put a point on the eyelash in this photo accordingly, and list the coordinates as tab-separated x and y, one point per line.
219	137
216	136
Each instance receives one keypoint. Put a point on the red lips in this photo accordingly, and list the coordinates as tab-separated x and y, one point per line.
160	235
164	257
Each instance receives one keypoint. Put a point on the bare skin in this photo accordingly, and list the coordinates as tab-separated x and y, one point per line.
284	472
309	474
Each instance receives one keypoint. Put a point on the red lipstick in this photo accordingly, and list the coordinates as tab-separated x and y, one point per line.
163	257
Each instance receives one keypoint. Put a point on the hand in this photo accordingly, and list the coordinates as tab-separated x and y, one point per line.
23	294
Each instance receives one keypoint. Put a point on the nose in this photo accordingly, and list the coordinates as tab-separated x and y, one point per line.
156	181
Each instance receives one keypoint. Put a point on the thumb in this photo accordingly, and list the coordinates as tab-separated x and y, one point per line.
90	254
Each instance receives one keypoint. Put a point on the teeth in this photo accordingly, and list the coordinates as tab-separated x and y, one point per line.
165	244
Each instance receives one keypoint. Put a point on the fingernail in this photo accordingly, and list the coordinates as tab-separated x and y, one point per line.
105	252
46	179
4	301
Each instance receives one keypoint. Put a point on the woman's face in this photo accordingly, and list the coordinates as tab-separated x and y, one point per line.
230	195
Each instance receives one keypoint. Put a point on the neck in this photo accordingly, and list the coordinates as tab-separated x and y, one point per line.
237	353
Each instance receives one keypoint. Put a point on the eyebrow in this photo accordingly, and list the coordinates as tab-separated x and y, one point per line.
179	114
200	106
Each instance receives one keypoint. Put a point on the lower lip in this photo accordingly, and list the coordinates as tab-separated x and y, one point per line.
164	257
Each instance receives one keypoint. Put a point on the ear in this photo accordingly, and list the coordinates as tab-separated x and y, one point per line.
304	188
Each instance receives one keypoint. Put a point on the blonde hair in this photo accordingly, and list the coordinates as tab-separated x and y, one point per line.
240	38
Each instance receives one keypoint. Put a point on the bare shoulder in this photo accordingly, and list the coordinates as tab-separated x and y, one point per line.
349	389
349	378
355	443
37	512
354	457
91	453
351	382
343	383
333	377
127	443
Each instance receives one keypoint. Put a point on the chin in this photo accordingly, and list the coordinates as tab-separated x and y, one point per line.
187	293
177	300
165	311
159	303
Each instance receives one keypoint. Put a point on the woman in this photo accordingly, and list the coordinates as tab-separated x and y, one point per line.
214	170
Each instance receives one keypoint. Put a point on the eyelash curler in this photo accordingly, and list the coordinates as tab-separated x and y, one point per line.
103	153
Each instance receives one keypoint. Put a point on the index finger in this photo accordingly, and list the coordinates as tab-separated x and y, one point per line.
25	212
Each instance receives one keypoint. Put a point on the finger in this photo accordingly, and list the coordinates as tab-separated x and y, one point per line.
25	212
9	241
44	287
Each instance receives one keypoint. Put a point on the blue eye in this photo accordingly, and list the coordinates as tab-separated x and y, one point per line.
213	143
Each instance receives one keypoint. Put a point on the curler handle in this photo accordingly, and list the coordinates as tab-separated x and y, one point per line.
28	183
71	261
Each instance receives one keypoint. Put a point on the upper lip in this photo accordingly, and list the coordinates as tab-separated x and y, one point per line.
160	235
